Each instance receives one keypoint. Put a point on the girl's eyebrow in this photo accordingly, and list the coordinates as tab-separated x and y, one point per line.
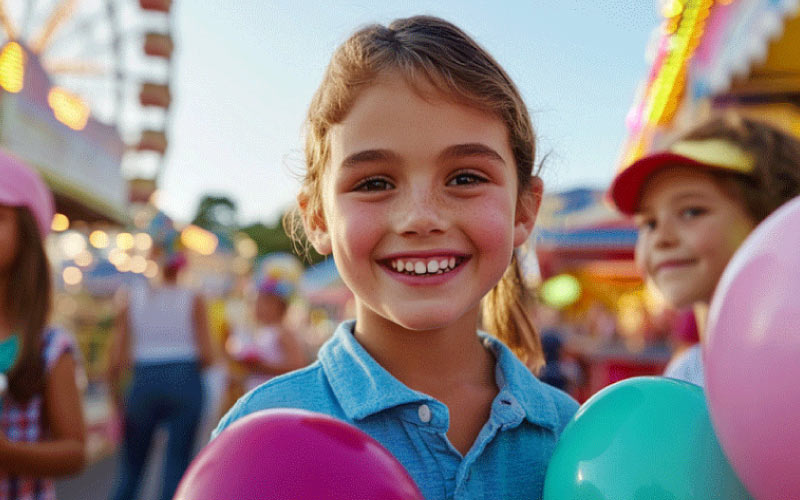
470	150
688	195
367	156
675	199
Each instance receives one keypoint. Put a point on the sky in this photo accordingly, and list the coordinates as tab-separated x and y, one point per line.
245	71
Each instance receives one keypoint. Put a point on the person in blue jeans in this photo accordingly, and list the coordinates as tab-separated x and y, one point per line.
420	157
163	332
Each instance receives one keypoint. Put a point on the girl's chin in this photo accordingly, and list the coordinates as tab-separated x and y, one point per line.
682	301
424	320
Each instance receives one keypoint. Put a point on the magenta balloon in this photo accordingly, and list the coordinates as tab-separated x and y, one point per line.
293	454
752	357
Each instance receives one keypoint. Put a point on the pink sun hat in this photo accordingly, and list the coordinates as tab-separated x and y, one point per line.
21	186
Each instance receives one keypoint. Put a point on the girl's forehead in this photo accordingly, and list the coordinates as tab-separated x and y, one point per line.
672	184
392	114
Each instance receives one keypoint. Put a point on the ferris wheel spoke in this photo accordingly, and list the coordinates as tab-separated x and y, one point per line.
79	30
87	47
60	14
5	21
76	67
27	18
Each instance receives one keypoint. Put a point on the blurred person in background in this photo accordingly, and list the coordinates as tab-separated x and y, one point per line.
162	333
42	430
270	347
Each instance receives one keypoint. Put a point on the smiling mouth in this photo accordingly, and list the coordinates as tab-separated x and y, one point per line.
674	264
430	266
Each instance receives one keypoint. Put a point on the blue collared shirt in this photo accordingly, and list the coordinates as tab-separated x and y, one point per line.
508	459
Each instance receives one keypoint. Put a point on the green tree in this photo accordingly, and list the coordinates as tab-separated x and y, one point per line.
217	214
274	239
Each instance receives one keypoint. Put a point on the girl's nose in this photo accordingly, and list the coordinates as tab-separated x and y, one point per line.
422	213
665	234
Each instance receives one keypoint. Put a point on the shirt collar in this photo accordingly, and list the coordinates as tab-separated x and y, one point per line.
363	387
517	382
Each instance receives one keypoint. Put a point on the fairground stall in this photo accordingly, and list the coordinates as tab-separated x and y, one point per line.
83	89
591	293
722	54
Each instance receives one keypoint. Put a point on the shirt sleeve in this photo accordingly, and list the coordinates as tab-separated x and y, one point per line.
688	366
58	342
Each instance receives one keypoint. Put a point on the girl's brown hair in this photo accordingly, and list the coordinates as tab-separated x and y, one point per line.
775	178
28	299
428	51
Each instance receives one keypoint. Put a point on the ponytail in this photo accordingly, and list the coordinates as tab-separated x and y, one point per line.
505	316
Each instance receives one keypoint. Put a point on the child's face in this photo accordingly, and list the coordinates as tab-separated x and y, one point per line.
269	308
689	228
8	236
426	184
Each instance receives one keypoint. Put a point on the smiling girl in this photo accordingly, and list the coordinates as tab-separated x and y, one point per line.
696	201
420	183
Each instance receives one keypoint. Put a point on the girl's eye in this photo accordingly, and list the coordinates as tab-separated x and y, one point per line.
373	184
646	224
692	212
466	179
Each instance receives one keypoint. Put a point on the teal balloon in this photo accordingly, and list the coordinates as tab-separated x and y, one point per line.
645	438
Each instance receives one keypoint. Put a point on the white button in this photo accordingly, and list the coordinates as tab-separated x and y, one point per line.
424	413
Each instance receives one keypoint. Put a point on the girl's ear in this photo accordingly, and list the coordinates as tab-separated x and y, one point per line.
314	223
527	207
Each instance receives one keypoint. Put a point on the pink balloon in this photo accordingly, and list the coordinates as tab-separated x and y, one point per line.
752	357
292	454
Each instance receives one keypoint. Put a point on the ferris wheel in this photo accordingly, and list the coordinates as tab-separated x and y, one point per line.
113	57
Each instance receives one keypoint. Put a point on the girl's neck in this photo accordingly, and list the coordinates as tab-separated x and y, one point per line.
429	360
701	317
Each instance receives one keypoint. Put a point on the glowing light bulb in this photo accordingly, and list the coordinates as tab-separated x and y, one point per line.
72	275
68	108
60	223
12	67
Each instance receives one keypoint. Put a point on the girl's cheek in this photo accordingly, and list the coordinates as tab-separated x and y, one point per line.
640	254
353	226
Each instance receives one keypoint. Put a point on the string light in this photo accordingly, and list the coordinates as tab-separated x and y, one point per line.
198	239
125	241
72	275
98	239
12	67
138	264
142	241
60	223
68	108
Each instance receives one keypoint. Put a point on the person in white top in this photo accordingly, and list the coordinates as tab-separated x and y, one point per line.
161	332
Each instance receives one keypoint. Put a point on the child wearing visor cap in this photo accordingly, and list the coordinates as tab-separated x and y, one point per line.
695	202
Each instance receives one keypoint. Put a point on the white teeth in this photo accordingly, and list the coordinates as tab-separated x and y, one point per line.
424	267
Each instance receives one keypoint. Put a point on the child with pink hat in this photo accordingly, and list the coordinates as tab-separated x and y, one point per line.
39	362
